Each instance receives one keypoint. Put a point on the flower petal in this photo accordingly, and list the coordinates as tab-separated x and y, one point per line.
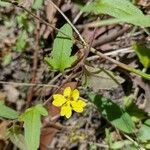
78	105
59	100
66	111
81	103
75	94
67	92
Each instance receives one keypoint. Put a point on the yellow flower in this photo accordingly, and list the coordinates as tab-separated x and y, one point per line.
68	101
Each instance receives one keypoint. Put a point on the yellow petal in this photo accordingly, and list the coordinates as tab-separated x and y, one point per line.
66	111
81	103
75	94
67	92
78	106
59	100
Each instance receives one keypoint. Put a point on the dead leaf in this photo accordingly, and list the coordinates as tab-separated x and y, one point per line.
101	79
50	15
12	93
26	3
145	85
47	136
3	130
2	95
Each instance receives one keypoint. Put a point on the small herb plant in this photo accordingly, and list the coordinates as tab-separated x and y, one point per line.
61	59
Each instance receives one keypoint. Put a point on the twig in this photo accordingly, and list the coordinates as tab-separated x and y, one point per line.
35	16
110	37
112	53
80	13
126	67
65	17
28	84
35	61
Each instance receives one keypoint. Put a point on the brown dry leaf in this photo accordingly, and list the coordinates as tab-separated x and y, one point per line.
12	93
26	3
3	129
102	79
2	95
47	137
145	85
50	15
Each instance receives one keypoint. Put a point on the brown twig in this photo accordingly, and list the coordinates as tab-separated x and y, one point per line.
108	38
35	62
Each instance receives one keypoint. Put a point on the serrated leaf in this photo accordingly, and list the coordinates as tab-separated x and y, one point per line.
32	125
102	79
17	138
113	113
115	8
7	112
143	54
60	57
37	4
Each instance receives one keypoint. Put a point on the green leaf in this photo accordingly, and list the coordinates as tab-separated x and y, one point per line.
144	21
143	133
32	125
37	4
7	112
60	57
122	10
133	110
22	20
7	59
21	42
16	137
113	113
115	8
100	78
4	4
143	54
121	144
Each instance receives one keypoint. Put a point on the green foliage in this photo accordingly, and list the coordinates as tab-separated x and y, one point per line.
123	10
21	42
7	59
143	54
117	145
113	113
133	110
32	125
4	4
7	112
60	57
16	137
22	20
37	4
124	144
24	23
143	21
143	133
115	8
